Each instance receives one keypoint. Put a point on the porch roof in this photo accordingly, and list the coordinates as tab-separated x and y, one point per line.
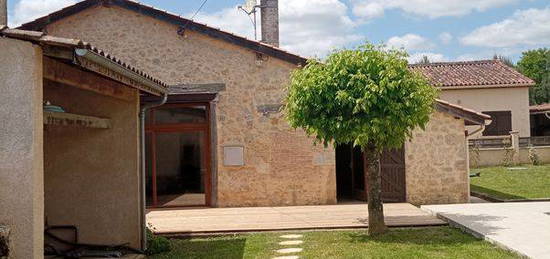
462	112
87	56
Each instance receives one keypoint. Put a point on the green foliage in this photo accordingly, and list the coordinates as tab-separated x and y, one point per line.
504	60
534	156
362	96
535	64
508	158
156	244
424	60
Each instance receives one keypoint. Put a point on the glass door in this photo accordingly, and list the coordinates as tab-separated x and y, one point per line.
177	156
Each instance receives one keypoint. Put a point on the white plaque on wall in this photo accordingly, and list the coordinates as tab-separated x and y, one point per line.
233	156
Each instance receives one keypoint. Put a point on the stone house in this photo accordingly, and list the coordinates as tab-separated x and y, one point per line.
489	86
221	139
69	149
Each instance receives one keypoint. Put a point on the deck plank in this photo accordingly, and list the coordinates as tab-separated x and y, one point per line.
214	220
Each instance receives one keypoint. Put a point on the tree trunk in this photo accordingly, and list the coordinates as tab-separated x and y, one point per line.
374	191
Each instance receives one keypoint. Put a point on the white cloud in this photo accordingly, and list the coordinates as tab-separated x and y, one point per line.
433	57
28	10
239	23
368	10
525	27
490	53
309	28
427	8
410	41
445	37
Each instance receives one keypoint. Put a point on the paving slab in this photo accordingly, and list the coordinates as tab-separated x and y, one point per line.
523	227
220	220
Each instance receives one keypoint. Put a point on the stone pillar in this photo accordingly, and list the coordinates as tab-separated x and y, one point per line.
21	149
3	12
270	21
514	135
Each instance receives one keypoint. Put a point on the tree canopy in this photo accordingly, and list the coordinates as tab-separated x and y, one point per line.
535	64
365	96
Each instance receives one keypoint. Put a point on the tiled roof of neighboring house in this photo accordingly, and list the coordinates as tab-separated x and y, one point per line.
540	107
462	112
73	44
482	73
41	23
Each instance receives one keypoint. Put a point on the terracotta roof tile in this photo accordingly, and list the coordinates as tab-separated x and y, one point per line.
465	113
260	47
482	73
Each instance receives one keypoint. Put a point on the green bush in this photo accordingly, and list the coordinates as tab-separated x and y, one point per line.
534	156
156	244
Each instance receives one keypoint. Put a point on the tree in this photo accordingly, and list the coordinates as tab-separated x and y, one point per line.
535	64
424	60
365	96
504	60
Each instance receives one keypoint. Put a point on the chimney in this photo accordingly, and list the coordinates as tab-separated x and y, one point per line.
4	12
270	21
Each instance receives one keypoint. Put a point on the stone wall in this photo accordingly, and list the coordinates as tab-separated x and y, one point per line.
282	166
437	162
21	157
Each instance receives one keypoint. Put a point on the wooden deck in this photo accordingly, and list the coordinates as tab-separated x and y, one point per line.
219	220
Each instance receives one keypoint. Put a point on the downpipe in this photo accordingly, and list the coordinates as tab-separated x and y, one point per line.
142	115
480	129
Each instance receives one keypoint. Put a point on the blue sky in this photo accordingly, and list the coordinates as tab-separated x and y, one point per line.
443	30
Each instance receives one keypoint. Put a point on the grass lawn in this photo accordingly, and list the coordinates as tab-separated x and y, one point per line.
433	242
503	183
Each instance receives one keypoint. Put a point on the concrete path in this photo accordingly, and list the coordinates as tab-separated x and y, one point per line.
522	227
216	220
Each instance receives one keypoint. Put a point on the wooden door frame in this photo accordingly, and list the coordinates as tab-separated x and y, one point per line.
182	128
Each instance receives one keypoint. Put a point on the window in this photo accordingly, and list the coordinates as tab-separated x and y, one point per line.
501	125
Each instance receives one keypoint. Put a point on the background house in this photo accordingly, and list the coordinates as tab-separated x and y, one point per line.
489	86
222	141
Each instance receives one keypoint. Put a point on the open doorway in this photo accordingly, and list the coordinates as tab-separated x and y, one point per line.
351	180
177	153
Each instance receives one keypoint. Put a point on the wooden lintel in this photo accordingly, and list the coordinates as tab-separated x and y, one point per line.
75	120
71	75
57	52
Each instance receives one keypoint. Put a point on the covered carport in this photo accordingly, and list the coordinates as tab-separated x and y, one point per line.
69	145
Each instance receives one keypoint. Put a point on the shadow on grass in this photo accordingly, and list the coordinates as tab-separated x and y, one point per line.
230	248
495	193
433	236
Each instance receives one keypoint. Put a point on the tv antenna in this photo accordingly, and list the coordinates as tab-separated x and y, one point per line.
249	8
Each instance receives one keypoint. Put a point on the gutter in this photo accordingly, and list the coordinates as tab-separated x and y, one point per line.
480	129
110	64
143	167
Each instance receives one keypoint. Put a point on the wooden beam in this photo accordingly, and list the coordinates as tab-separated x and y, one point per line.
75	120
71	75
